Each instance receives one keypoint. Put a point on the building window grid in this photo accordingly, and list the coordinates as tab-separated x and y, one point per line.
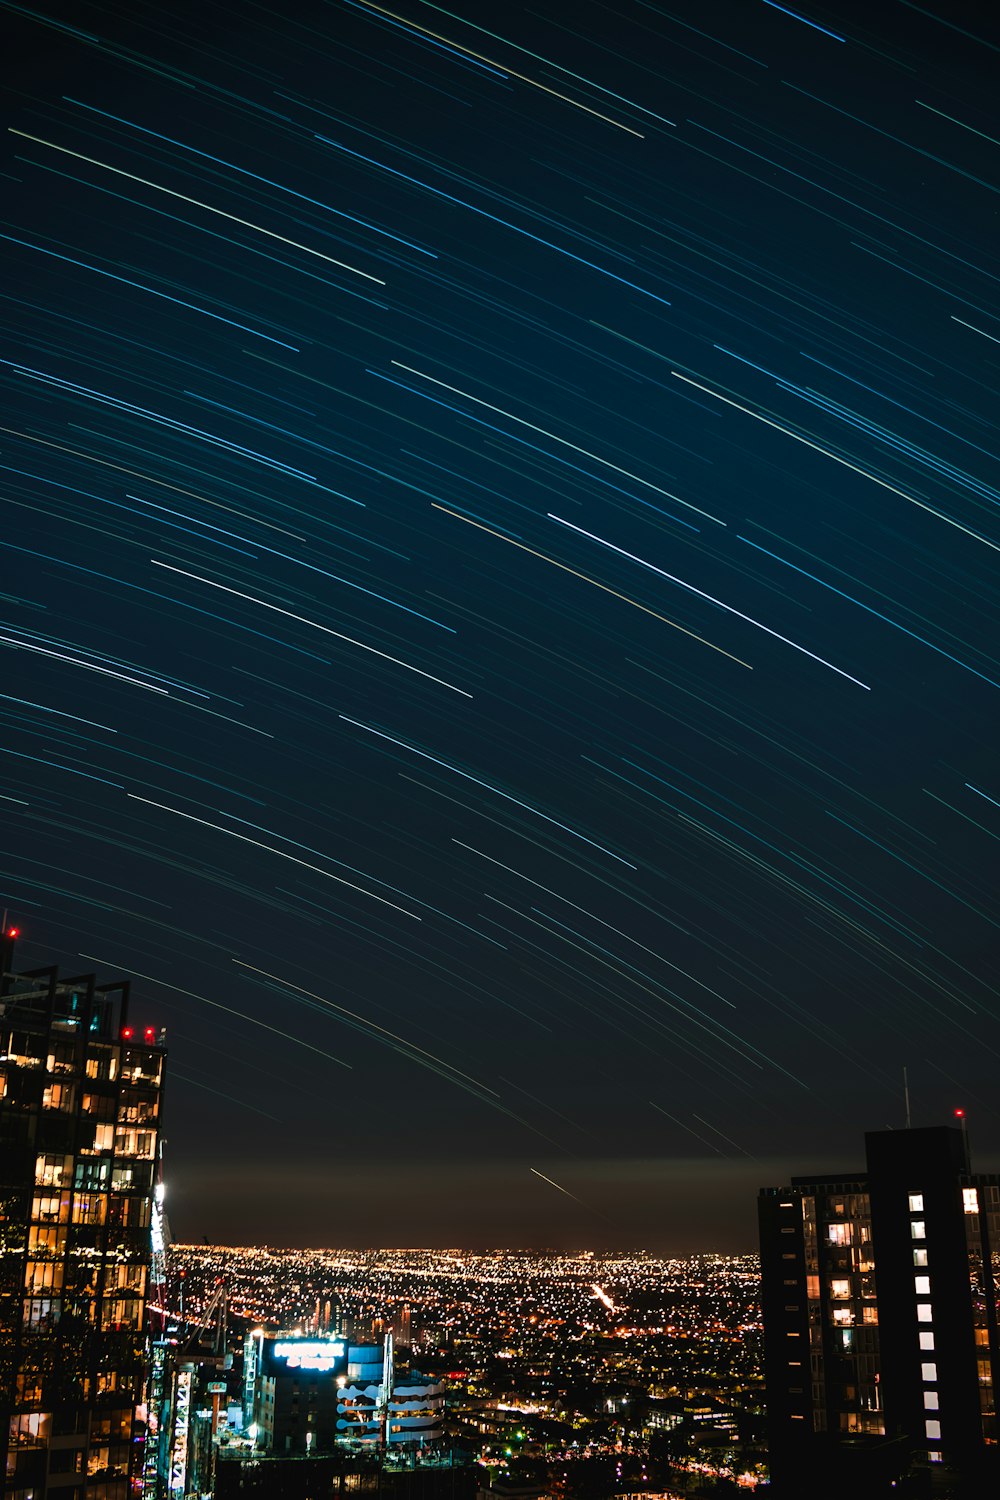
925	1315
51	1204
983	1201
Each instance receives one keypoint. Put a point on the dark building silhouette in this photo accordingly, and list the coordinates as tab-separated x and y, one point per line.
448	1477
79	1122
880	1321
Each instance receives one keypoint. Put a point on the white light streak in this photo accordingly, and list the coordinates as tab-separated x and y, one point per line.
586	453
314	624
269	848
711	599
827	453
246	223
490	788
74	661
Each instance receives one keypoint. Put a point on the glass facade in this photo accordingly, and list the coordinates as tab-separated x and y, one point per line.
842	1308
79	1122
982	1229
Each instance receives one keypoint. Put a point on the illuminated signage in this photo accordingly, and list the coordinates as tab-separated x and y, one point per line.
310	1354
177	1484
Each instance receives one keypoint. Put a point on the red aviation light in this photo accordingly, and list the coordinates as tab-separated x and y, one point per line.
127	1033
960	1114
13	932
149	1034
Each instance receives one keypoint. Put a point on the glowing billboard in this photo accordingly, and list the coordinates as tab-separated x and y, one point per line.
309	1354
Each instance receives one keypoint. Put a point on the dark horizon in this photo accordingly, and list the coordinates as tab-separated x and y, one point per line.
667	1208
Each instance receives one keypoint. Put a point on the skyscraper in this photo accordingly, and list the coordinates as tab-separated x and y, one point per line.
880	1294
79	1123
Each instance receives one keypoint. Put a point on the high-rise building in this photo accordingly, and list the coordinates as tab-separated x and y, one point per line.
308	1395
880	1298
80	1094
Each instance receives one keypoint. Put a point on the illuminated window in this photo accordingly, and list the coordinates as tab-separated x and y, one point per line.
922	1286
933	1457
918	1230
928	1373
89	1208
970	1200
927	1341
52	1171
843	1317
932	1428
840	1288
42	1312
931	1401
847	1338
91	1175
838	1234
50	1208
42	1241
920	1257
869	1314
916	1202
31	1430
925	1313
43	1276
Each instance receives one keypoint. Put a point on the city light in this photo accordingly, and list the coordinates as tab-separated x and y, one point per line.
310	1354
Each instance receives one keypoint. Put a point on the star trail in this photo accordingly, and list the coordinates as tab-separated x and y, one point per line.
499	587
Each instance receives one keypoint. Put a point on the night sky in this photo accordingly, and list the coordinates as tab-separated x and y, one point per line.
499	590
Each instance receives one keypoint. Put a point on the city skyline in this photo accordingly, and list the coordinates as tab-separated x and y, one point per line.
499	596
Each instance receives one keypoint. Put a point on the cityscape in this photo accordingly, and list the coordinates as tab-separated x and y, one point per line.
550	1361
499	793
858	1350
